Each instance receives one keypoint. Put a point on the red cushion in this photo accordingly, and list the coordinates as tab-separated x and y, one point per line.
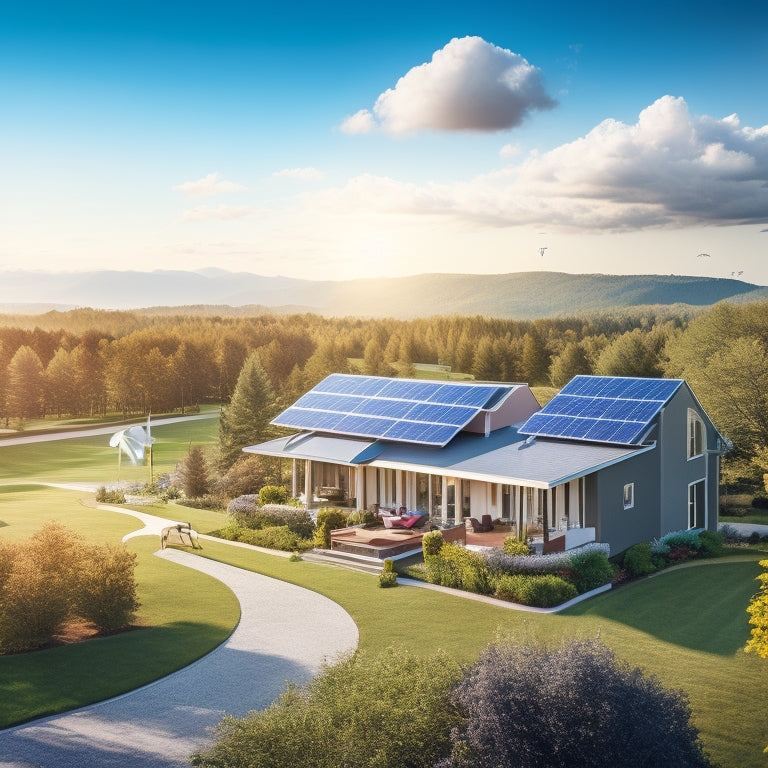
409	522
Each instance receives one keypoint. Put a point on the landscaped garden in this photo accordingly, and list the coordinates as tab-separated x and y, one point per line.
687	625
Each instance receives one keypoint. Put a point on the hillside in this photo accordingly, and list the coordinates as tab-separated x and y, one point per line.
523	295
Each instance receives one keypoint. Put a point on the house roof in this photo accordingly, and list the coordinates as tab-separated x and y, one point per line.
504	456
603	409
400	410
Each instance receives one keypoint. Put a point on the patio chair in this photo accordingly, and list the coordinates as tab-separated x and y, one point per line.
478	527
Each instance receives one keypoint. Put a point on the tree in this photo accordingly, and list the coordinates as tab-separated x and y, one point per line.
534	361
373	360
245	420
533	707
485	366
758	612
628	355
24	389
571	362
192	474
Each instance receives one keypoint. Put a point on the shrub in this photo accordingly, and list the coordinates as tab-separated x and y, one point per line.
638	560
760	502
387	579
499	562
544	591
55	577
387	709
432	543
246	512
460	568
361	517
115	496
211	501
526	707
513	546
328	520
758	612
247	475
107	587
273	494
275	537
590	570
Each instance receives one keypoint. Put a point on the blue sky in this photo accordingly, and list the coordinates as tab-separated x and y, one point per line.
338	140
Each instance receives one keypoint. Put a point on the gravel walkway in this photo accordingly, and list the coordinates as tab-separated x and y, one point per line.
285	633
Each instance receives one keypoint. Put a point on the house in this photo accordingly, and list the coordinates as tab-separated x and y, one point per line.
611	459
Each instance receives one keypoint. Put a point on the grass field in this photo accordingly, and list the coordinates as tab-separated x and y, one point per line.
687	626
92	460
175	633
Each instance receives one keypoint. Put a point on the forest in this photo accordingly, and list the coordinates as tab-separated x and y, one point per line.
86	362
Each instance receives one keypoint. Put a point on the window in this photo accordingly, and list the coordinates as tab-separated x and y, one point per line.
629	496
695	434
696	505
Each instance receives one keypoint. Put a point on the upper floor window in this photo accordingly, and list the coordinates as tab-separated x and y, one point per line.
695	434
629	496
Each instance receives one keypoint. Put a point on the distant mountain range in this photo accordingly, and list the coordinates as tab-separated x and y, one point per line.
524	295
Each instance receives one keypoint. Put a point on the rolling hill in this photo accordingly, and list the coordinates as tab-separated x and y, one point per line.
524	295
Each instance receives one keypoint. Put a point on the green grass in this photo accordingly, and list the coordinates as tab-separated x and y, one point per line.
687	626
202	520
92	460
175	633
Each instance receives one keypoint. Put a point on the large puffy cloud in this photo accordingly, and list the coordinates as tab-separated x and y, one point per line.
470	85
670	168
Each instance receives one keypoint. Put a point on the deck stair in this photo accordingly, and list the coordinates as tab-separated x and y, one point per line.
344	560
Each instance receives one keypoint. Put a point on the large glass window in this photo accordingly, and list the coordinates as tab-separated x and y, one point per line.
696	505
629	496
695	434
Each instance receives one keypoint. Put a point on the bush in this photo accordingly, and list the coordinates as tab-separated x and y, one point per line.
459	568
499	562
590	570
273	494
388	709
513	546
246	512
541	591
54	578
279	537
107	588
328	520
115	496
211	501
361	517
638	560
760	502
387	579
432	543
711	544
527	707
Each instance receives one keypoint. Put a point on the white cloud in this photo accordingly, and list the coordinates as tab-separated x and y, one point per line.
469	85
221	212
300	174
669	169
208	186
361	122
510	150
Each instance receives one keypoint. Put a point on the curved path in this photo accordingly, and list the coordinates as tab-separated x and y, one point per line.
285	633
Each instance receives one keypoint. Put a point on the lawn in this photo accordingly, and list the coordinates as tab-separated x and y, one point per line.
687	626
175	632
91	460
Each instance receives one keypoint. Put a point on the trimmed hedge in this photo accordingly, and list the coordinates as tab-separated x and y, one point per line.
328	520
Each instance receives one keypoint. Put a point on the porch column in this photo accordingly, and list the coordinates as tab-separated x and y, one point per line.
308	495
399	489
444	498
360	488
294	480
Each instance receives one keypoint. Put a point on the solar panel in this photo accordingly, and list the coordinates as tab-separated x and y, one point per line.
603	409
426	412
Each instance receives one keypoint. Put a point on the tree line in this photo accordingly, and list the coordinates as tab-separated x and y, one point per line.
90	362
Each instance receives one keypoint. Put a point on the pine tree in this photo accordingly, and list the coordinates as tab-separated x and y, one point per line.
245	420
193	474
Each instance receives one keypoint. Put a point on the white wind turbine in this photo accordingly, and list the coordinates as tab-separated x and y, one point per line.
133	442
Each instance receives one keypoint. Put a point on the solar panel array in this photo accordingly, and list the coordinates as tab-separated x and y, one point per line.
602	409
425	412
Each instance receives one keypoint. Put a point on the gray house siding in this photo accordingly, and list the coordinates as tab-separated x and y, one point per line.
678	471
624	526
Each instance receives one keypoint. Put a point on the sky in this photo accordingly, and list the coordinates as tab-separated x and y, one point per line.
340	140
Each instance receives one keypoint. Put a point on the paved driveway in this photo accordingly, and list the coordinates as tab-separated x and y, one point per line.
285	633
